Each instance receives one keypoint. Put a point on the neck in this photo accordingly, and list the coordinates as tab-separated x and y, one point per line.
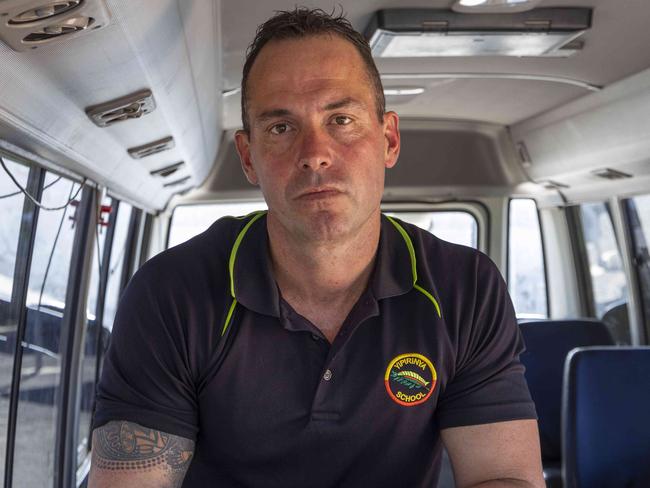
323	272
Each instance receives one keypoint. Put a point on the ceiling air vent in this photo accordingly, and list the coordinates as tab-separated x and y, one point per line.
152	148
167	170
129	107
44	12
29	24
65	28
177	182
610	174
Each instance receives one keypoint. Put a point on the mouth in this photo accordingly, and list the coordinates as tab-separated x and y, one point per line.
319	193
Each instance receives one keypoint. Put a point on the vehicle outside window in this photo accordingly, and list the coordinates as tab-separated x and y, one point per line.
40	379
526	276
11	209
608	280
190	220
455	226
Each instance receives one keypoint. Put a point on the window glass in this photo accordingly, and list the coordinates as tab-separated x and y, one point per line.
40	379
118	252
11	210
91	338
454	226
190	220
638	209
526	278
608	281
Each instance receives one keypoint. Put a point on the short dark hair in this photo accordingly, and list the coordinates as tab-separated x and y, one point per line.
304	22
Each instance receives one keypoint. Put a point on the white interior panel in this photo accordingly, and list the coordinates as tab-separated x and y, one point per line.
155	45
609	129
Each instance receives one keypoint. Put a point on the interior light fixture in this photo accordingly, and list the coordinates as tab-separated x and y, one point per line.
471	3
403	91
544	32
494	6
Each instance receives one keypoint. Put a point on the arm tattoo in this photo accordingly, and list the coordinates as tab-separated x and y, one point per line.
129	446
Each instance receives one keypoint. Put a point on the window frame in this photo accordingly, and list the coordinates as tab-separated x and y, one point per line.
68	472
543	244
621	220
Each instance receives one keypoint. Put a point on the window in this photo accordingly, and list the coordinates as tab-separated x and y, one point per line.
638	215
526	277
608	281
121	222
11	209
190	220
454	226
92	341
40	379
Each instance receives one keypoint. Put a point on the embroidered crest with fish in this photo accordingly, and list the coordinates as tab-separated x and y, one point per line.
410	379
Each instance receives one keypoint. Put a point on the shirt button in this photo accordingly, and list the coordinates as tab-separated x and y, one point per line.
315	337
328	375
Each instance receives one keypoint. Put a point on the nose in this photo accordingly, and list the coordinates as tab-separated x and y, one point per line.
315	149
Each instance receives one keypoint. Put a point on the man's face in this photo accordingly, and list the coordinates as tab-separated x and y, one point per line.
316	147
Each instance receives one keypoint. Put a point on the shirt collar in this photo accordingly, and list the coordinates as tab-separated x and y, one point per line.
253	284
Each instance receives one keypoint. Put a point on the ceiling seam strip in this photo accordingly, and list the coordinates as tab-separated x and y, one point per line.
194	90
479	76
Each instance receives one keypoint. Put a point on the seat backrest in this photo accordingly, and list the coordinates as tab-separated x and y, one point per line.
547	344
606	418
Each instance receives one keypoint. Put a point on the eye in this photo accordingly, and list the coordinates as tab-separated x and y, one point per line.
278	129
342	120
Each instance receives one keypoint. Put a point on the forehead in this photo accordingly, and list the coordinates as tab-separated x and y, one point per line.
306	64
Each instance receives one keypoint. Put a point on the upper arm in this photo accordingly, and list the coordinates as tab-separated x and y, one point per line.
500	450
126	454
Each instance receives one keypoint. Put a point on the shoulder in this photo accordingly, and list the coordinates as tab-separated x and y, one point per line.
435	255
200	262
457	274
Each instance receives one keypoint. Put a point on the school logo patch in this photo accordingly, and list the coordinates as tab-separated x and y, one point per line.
410	379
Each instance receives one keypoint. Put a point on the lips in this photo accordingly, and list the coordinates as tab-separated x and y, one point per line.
319	192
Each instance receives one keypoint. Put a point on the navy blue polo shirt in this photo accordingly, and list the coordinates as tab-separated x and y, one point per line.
204	347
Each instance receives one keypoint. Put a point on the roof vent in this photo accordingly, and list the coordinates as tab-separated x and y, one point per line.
167	170
177	182
29	24
610	174
152	148
42	12
64	28
129	107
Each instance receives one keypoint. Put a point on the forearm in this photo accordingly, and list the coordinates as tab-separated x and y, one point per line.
126	454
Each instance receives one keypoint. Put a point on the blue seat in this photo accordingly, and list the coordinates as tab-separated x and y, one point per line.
606	418
547	344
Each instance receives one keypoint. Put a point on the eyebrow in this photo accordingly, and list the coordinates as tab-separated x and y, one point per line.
345	102
283	112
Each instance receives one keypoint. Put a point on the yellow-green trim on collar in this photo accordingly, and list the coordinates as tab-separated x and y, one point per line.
229	316
235	248
409	245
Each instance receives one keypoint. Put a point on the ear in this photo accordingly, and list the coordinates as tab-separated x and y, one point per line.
391	138
242	143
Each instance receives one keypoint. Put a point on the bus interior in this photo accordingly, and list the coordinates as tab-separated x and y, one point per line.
525	134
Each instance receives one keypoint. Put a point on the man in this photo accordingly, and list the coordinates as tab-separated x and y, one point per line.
318	344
